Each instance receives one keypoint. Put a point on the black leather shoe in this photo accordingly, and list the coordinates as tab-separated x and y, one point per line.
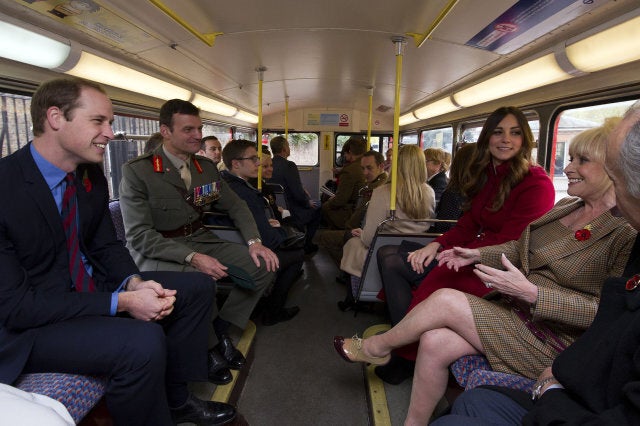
203	412
396	371
218	371
235	359
284	315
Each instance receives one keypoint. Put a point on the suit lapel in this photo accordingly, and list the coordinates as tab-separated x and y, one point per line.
38	190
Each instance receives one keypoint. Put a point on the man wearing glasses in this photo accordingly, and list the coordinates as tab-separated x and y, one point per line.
164	195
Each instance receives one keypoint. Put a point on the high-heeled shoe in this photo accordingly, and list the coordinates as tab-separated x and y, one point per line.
351	351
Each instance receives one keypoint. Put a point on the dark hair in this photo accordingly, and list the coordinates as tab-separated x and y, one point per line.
205	139
459	165
62	93
475	176
176	106
277	144
265	150
154	141
235	149
356	145
375	154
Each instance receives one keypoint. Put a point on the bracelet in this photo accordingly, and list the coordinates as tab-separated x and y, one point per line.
537	391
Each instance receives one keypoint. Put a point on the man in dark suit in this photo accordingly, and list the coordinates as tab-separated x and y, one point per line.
304	211
145	332
596	380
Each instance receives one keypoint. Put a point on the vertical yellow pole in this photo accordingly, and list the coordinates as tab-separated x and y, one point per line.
286	118
260	71
370	117
399	42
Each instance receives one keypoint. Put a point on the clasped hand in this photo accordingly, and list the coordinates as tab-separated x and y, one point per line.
147	300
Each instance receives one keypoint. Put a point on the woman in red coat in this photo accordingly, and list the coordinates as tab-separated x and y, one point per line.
507	192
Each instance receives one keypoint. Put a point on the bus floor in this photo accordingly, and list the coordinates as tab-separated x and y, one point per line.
295	376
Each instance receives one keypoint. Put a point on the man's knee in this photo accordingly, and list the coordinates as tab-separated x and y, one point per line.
144	348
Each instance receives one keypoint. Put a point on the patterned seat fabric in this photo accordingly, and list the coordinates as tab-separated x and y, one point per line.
116	217
78	393
474	370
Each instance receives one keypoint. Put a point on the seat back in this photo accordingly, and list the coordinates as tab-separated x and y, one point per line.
371	282
278	191
222	225
116	218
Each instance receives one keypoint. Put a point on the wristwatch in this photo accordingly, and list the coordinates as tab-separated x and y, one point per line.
537	391
253	241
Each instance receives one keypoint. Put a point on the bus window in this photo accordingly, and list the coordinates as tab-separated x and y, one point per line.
379	143
303	146
409	139
223	133
569	123
15	123
438	138
240	133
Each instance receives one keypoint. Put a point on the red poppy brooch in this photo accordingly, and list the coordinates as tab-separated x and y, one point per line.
633	282
86	182
583	234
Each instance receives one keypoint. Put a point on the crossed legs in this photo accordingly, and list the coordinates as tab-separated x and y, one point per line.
444	326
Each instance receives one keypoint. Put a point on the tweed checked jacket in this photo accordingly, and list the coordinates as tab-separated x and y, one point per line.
569	282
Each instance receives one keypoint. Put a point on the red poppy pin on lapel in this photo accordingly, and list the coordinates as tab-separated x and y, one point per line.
583	234
633	282
86	182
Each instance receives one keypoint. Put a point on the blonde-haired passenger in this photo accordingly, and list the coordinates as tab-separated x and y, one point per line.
414	200
437	167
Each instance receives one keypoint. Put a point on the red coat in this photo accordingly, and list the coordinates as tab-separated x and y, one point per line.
479	227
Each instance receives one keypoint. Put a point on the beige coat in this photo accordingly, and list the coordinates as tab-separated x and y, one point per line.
357	248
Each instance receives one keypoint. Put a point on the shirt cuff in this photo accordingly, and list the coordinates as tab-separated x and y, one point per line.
285	213
114	296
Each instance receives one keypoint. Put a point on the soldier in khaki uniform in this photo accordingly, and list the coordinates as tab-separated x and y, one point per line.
163	197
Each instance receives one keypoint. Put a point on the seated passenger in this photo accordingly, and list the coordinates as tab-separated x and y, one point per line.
437	168
536	310
211	148
504	191
399	280
164	196
71	298
372	168
414	200
595	380
240	157
305	211
340	207
280	213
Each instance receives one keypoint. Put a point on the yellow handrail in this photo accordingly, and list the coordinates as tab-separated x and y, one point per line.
209	38
421	38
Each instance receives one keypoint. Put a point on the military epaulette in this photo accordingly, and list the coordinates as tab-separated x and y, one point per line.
142	157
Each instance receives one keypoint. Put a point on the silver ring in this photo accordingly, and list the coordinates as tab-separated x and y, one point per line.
489	285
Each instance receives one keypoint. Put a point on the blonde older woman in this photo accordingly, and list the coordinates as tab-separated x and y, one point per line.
415	200
547	287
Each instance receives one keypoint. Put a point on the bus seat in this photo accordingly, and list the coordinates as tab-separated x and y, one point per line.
78	393
116	217
278	191
366	289
222	225
474	370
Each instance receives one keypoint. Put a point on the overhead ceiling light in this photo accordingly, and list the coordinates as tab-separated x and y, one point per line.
246	116
32	48
436	108
95	68
407	119
213	106
537	73
615	46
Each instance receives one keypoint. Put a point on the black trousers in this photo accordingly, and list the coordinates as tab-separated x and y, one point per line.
398	278
290	264
140	359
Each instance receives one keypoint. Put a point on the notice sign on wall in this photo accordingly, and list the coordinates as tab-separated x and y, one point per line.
328	119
